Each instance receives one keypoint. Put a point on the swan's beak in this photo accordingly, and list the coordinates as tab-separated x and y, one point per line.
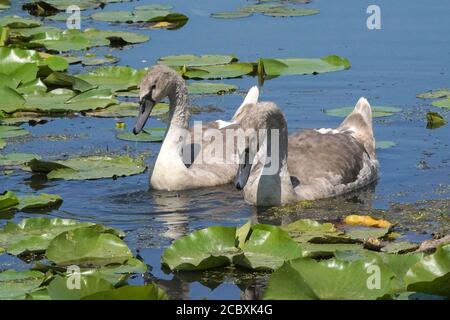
244	170
144	112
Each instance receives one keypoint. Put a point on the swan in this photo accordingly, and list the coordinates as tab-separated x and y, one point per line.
310	164
185	160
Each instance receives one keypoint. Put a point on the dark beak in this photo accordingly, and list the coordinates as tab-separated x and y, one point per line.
244	171
144	112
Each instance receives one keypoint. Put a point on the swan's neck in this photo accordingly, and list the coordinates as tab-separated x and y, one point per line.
270	182
179	105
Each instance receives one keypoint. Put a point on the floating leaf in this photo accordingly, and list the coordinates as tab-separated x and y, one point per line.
435	120
289	12
2	144
366	221
384	144
400	247
146	292
203	249
326	250
305	230
115	78
12	131
365	233
8	200
34	234
330	279
147	135
40	202
18	22
267	248
431	274
116	273
140	14
58	289
16	159
298	66
435	94
230	15
443	103
189	60
211	88
232	70
91	167
86	246
16	284
376	111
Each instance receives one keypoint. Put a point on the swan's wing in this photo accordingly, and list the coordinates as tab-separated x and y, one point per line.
332	157
251	98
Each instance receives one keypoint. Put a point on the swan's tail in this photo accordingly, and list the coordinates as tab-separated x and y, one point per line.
251	98
359	122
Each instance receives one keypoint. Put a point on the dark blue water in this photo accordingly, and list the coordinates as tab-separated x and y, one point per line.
409	55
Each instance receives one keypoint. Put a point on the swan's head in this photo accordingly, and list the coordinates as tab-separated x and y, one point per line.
269	141
158	83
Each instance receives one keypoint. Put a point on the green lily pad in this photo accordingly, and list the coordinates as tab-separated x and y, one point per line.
299	66
190	60
34	234
384	144
58	288
231	70
40	202
289	12
12	132
86	246
147	135
116	78
117	273
16	159
91	167
62	5
230	15
16	284
242	233
326	250
435	94
19	22
146	292
329	279
140	14
443	103
211	88
8	200
203	249
431	274
267	249
435	120
305	230
2	144
400	247
364	233
378	111
63	80
10	97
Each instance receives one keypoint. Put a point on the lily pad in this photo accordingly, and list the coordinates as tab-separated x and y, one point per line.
17	284
432	274
267	249
8	200
146	292
378	111
19	22
147	135
116	78
230	15
211	88
2	144
289	12
91	167
189	60
435	94
34	234
435	120
443	103
365	233
231	70
384	144
140	14
40	202
86	246
58	288
326	250
299	66
16	159
117	273
330	279
203	249
12	132
305	230
400	247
